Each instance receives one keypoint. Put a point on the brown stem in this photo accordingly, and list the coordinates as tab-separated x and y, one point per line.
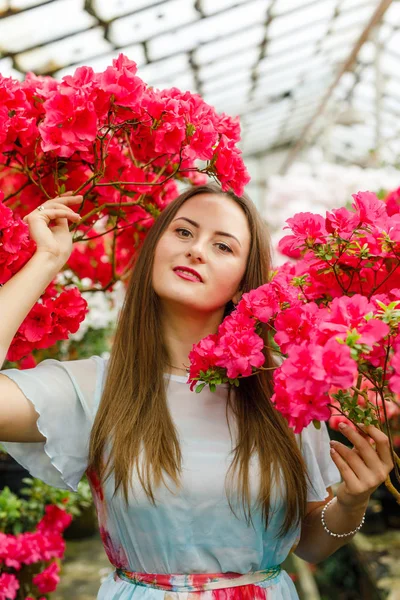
392	489
357	390
78	189
17	192
347	417
106	205
388	276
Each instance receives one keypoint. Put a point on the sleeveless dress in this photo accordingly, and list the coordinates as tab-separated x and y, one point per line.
190	545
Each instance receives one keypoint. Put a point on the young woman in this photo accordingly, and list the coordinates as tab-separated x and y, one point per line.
198	495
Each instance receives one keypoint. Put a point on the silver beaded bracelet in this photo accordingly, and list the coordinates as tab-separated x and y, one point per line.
339	535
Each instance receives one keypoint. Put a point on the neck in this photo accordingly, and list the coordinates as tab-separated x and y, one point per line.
182	329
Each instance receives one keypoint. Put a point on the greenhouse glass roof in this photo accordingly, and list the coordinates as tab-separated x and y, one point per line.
294	70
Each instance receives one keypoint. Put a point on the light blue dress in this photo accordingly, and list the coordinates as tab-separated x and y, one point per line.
190	532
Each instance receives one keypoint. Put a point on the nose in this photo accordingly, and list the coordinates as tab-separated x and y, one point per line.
196	252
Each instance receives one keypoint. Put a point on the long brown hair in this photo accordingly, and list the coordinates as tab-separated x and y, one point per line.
133	411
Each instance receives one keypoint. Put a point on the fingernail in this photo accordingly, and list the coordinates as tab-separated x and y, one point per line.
342	425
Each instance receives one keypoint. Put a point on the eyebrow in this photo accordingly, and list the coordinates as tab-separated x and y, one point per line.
215	232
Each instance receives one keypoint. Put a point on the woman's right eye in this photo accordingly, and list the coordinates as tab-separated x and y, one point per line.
182	231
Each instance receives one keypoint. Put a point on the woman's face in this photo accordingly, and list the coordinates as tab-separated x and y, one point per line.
201	257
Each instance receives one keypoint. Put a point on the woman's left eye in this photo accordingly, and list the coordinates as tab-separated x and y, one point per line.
224	247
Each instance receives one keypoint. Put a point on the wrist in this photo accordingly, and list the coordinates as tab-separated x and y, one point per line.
345	520
353	507
47	261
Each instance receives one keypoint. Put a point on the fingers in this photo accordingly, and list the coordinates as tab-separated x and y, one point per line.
355	462
382	444
363	466
67	198
57	203
362	445
53	212
346	471
60	213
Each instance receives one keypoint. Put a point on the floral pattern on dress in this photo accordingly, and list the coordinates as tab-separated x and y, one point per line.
206	586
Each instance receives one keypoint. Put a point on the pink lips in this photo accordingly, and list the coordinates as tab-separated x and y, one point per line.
188	274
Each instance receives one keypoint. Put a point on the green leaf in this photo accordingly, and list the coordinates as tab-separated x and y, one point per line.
199	387
317	424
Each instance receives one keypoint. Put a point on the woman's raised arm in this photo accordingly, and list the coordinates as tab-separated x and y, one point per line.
18	296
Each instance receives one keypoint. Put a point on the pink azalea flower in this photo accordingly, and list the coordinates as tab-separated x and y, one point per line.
307	228
297	325
393	202
229	166
55	519
37	324
202	357
47	580
369	209
334	365
290	246
70	123
9	586
239	354
341	222
394	380
122	83
300	408
229	126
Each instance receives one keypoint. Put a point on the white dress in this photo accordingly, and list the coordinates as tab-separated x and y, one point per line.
188	533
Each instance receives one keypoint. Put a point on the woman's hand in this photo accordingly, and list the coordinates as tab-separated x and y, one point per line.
55	241
362	467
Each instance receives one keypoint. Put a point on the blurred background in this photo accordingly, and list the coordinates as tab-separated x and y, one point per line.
316	84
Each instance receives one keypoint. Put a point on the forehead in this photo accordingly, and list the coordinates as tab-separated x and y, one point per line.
217	212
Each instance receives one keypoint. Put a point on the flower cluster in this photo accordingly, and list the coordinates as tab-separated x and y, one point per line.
332	317
317	186
40	548
59	312
120	143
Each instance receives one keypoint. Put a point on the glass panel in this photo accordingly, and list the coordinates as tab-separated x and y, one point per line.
357	17
393	44
286	59
7	70
236	83
246	59
21	4
109	9
349	4
271	87
390	63
253	36
206	30
162	69
43	24
283	6
100	63
302	36
392	14
73	49
317	11
147	23
345	37
209	7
